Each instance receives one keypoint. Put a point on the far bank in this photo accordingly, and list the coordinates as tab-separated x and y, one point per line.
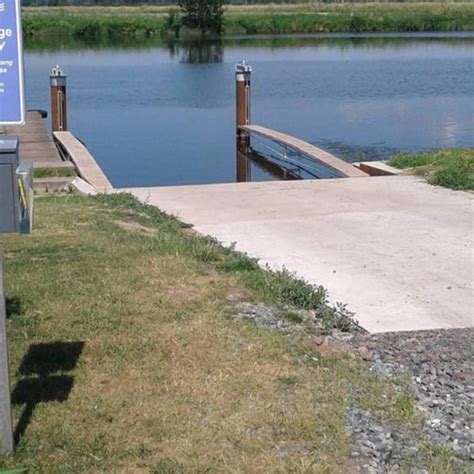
147	21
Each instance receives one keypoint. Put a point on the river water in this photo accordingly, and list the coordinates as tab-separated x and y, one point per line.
163	114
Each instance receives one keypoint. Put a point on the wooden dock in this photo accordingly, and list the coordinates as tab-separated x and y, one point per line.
36	143
52	173
57	157
341	167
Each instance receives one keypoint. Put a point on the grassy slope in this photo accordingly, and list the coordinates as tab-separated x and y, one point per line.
451	168
167	381
258	19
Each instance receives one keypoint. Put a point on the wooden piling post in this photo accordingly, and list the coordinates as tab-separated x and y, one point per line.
57	80
242	161
242	81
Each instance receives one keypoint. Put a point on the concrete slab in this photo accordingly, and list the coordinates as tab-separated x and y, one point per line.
398	251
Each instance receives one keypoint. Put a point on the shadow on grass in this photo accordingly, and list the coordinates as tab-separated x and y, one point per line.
41	378
13	307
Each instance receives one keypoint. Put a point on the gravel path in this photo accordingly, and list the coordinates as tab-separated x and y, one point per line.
440	365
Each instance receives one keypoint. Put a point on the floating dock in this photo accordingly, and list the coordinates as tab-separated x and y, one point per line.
342	168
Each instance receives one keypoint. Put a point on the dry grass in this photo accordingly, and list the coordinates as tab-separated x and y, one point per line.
166	381
125	356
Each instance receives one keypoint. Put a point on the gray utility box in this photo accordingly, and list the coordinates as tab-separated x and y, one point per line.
9	199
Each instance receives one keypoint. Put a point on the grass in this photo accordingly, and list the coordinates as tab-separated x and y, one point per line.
56	172
149	21
125	356
451	168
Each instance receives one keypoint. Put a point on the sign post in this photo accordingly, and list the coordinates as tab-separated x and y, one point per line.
12	97
12	112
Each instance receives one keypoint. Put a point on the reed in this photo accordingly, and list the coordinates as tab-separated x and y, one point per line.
346	22
91	26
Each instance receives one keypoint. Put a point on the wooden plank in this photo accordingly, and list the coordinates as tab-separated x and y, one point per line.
339	166
63	165
377	168
86	166
36	143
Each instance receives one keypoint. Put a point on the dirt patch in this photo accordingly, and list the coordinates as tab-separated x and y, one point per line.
133	226
182	292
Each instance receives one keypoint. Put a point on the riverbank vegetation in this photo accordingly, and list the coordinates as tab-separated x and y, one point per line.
449	168
150	21
205	16
127	355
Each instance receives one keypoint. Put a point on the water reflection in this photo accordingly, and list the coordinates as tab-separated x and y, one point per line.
351	153
196	48
196	52
285	165
246	156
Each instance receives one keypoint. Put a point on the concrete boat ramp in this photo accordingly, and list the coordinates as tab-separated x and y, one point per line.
396	250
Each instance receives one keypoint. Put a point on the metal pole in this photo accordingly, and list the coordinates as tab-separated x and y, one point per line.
6	431
57	81
242	82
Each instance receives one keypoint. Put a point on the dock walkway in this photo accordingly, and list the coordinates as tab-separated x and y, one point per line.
86	166
37	146
36	143
341	167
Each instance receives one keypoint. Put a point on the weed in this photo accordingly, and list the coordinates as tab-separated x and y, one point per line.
449	168
293	317
442	460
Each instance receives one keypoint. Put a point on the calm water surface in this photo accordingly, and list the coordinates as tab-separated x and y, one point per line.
155	114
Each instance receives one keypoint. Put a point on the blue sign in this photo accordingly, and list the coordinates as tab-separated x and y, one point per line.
12	96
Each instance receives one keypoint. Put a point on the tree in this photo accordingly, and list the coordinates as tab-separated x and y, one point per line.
205	15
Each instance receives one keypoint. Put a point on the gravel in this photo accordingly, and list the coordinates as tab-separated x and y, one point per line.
263	316
267	317
440	370
438	366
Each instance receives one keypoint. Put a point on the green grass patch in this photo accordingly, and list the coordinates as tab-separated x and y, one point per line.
448	168
56	172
